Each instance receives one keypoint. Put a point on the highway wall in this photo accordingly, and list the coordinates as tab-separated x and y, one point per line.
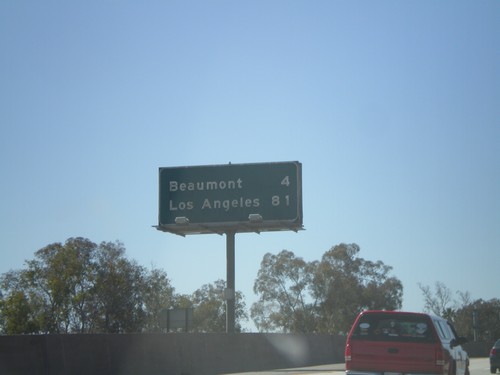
172	354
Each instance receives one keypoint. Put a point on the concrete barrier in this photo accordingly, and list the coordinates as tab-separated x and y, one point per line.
172	354
478	349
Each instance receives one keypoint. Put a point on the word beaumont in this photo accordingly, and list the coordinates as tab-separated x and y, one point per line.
206	185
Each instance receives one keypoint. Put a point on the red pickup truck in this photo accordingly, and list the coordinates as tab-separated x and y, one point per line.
404	343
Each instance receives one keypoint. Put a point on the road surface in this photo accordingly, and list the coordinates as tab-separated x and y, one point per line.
478	366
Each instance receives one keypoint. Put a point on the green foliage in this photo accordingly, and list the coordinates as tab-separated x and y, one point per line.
157	294
118	284
83	287
324	296
346	284
487	320
461	312
18	314
282	283
210	308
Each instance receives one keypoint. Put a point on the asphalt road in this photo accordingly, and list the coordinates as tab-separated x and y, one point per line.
478	366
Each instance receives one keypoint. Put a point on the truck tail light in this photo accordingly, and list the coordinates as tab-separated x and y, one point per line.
348	353
440	357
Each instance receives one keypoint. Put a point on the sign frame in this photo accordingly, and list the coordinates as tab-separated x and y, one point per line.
237	198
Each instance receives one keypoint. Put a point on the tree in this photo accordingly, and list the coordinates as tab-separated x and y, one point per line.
17	315
55	284
45	280
345	284
15	309
118	291
158	295
282	283
487	320
437	302
81	287
209	313
324	296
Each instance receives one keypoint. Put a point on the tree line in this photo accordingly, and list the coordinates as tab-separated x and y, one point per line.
83	287
478	320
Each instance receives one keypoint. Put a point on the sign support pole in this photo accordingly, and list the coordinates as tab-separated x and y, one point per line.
230	293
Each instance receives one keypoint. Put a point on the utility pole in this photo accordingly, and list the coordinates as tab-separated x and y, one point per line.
474	323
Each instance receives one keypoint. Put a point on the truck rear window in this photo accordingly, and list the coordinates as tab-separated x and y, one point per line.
394	327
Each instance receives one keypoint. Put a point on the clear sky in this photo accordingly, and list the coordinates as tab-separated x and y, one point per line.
392	107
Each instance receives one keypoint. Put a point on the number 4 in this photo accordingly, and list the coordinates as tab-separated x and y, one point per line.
286	181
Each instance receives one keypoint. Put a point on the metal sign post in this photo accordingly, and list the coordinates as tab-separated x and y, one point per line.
230	293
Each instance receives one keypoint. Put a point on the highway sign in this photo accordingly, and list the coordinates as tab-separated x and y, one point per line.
230	198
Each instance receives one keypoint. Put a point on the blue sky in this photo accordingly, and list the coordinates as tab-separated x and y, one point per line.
392	108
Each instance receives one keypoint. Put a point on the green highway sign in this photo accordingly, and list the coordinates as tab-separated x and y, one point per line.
230	198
